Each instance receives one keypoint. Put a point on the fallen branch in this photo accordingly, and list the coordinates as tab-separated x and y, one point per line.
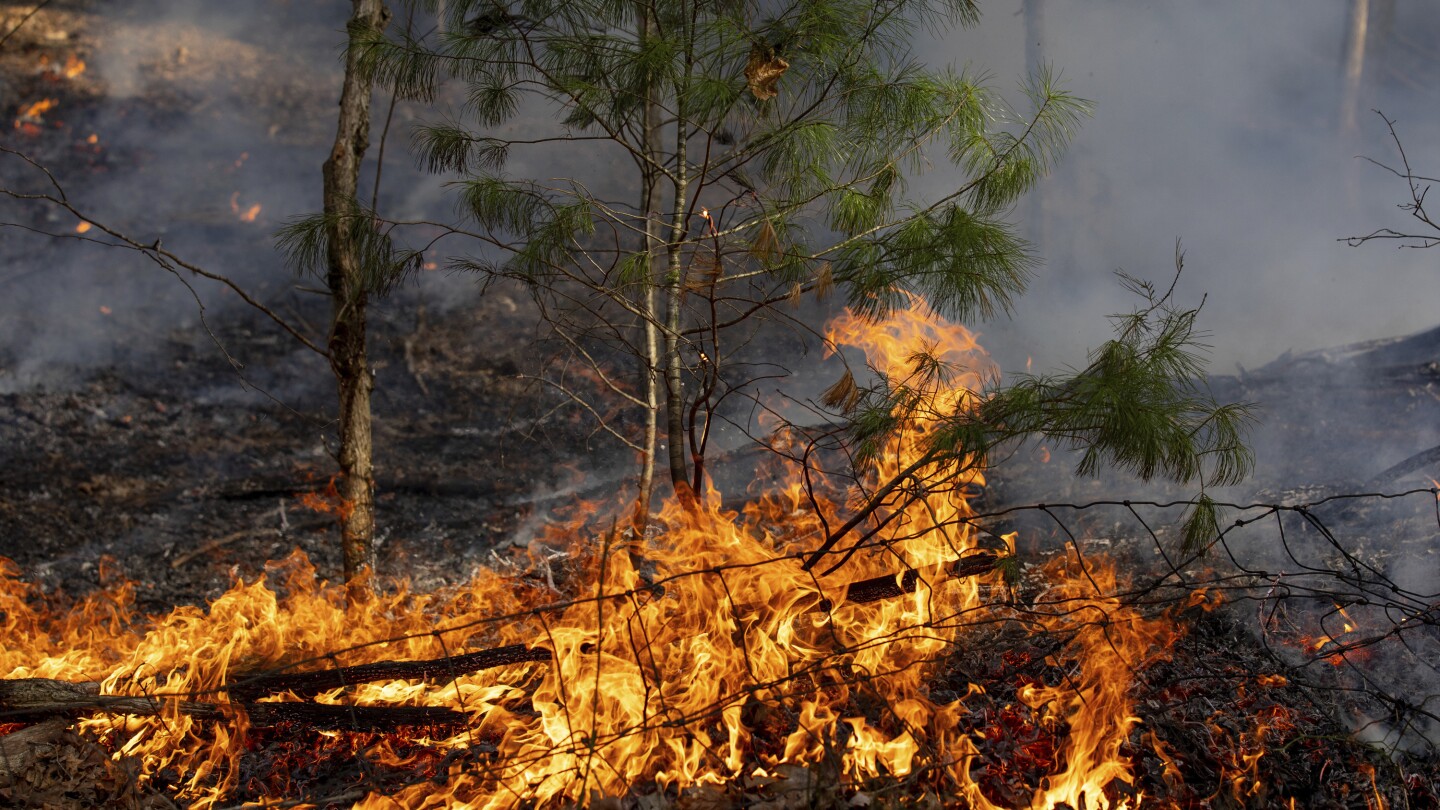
310	683
30	699
887	587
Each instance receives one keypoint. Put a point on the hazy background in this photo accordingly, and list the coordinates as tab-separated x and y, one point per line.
1216	122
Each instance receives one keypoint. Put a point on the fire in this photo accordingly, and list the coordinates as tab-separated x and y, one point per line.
82	227
693	657
73	67
31	116
247	214
328	501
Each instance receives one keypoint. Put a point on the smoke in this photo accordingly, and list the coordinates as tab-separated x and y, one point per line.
1216	124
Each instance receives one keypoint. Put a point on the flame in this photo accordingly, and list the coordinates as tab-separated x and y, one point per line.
30	116
697	654
74	66
247	214
327	501
1336	648
82	226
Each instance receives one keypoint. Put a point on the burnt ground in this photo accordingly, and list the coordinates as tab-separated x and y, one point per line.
188	474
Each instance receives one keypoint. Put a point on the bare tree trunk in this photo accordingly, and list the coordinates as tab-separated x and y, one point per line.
650	360
674	300
349	296
1355	36
1034	11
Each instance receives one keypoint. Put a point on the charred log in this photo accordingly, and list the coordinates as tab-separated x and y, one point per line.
311	683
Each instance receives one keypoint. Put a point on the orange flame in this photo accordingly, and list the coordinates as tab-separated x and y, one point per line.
693	655
247	214
327	501
30	116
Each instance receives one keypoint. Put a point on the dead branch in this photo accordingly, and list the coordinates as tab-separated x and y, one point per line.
30	699
310	683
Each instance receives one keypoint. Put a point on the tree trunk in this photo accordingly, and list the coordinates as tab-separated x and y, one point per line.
1034	11
674	300
1355	35
650	359
349	296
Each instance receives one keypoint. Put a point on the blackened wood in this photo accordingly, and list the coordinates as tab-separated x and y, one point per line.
310	683
888	587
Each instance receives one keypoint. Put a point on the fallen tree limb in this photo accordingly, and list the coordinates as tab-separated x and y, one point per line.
888	587
1415	463
30	699
311	683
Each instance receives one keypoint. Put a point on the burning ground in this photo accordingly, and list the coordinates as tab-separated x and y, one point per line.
542	655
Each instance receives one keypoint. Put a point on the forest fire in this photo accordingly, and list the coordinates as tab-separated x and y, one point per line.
697	657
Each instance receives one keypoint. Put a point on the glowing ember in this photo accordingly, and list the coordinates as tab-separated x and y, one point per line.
700	654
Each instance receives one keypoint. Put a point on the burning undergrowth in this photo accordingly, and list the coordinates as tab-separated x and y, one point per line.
700	663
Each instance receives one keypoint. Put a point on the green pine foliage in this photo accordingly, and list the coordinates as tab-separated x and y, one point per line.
777	140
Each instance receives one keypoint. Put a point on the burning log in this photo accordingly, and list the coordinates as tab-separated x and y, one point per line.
29	699
887	587
311	683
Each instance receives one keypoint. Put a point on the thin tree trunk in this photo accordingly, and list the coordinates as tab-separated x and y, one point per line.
1034	11
349	296
650	361
1355	36
674	299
